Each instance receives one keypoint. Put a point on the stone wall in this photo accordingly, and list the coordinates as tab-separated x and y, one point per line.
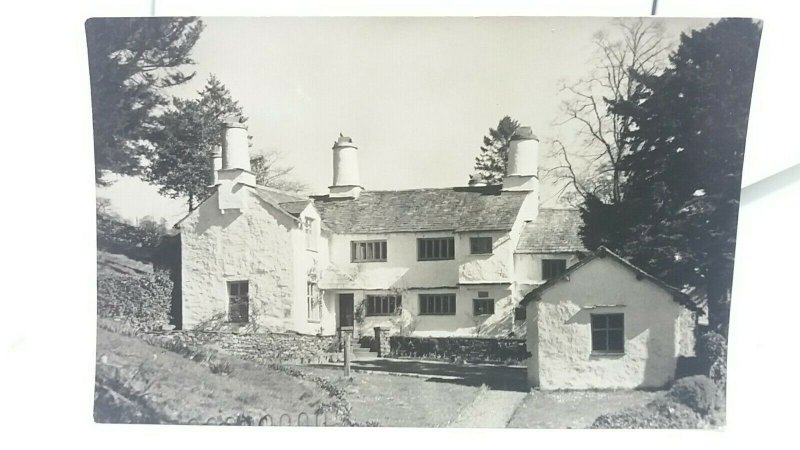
466	349
288	348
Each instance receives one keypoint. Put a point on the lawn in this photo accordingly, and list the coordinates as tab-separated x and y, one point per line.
400	401
182	390
573	409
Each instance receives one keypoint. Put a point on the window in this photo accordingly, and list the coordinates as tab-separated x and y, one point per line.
382	305
552	268
480	245
482	306
367	251
432	249
238	301
520	313
312	302
608	333
437	304
311	236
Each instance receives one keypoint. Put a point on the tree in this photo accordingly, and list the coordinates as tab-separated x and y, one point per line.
270	172
591	165
184	139
131	60
678	211
492	161
187	134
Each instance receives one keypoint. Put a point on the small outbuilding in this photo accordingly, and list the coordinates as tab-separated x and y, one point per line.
606	324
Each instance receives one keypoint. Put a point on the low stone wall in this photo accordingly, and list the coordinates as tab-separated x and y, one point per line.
466	349
287	348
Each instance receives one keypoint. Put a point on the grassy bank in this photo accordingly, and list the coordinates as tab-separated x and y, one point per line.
176	389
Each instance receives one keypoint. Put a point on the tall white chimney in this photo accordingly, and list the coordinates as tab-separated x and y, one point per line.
235	148
522	171
346	182
216	164
235	167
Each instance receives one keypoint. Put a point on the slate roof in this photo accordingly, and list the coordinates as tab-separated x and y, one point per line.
603	252
553	231
457	209
295	208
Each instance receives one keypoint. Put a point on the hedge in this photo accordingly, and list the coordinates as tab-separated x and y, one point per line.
142	301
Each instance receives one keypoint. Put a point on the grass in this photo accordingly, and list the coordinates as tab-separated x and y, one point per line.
183	390
400	401
573	409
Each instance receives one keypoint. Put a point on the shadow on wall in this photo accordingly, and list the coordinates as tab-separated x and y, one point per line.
659	360
215	220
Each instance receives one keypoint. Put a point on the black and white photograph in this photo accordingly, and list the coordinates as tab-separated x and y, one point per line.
429	222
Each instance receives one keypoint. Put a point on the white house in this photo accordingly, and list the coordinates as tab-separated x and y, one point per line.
606	324
443	261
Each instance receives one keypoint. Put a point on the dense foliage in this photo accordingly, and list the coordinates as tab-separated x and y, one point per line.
185	137
491	163
131	60
697	392
679	204
144	301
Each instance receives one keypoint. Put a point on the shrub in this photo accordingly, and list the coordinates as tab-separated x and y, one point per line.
697	392
660	413
119	237
142	301
712	356
220	367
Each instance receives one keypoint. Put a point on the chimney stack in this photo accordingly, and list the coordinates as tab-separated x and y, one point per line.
522	172
346	183
216	164
235	148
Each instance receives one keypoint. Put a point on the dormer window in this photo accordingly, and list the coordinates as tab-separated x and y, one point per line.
311	233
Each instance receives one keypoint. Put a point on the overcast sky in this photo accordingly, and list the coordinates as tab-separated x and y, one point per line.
416	94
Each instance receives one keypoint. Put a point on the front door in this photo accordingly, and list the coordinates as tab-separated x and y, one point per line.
346	312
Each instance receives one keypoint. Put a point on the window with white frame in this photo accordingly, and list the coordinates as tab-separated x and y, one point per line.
238	301
311	233
483	305
382	305
480	245
313	302
434	249
608	333
553	268
368	251
437	304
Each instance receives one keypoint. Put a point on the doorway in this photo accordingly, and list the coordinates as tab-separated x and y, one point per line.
346	311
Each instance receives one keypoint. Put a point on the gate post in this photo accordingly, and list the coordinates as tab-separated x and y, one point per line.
347	355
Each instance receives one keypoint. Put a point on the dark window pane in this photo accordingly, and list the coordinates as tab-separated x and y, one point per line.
520	313
598	321
615	321
616	341
599	341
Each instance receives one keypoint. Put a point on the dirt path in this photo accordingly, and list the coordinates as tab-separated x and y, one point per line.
491	409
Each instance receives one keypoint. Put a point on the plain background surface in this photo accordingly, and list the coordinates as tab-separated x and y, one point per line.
47	326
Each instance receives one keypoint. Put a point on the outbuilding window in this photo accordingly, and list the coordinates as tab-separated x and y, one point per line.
608	333
553	268
238	301
482	306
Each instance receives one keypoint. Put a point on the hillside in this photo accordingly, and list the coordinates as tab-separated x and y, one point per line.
140	383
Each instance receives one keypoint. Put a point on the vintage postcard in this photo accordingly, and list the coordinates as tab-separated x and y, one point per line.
522	222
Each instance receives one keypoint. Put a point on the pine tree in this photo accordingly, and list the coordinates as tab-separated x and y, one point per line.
131	60
680	200
185	137
492	161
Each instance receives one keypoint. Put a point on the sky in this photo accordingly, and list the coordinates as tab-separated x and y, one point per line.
416	95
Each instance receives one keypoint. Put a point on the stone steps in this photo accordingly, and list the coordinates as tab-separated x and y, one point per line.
364	354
